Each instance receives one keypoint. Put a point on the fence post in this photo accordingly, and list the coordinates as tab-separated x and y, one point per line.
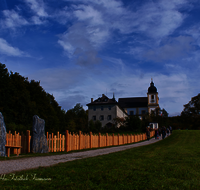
106	139
118	138
90	139
99	140
28	141
66	140
57	142
79	140
52	136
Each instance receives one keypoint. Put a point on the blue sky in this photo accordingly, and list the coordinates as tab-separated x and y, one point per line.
79	50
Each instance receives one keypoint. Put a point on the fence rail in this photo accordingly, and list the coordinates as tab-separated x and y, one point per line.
71	141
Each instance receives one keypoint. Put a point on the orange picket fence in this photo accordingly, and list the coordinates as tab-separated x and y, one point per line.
71	141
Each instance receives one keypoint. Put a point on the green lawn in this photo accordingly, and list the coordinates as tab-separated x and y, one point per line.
173	163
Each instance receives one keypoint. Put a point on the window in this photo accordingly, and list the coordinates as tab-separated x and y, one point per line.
105	99
143	111
101	118
94	118
131	112
109	117
94	108
152	97
109	107
102	108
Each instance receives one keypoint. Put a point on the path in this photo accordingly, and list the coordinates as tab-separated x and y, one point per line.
11	166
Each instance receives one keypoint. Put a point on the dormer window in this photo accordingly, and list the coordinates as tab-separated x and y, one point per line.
105	99
99	100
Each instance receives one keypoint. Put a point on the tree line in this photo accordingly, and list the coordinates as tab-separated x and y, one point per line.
21	99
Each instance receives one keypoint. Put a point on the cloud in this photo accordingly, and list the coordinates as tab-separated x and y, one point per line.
71	100
7	49
58	79
95	24
12	19
38	7
173	48
77	44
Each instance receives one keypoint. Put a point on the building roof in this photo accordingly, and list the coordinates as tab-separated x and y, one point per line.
133	102
102	101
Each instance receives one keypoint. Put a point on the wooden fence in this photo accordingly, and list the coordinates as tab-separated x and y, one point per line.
69	141
13	140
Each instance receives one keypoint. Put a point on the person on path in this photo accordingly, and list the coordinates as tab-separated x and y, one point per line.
159	131
167	131
156	133
163	132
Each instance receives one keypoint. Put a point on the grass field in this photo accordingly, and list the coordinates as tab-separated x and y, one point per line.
173	163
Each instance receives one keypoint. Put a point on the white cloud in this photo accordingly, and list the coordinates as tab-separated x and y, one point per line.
12	19
77	43
38	7
173	48
7	49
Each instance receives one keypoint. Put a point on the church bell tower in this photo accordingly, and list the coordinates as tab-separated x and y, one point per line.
153	99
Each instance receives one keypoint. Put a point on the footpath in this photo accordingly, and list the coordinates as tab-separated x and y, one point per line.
11	166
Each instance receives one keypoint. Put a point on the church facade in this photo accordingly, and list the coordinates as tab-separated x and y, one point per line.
141	105
105	109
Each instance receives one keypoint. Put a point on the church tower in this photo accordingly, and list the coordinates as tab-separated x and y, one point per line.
153	98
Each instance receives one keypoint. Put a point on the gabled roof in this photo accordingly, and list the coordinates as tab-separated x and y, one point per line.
133	102
102	101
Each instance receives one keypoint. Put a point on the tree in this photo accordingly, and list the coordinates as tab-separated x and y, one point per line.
133	123
191	113
193	107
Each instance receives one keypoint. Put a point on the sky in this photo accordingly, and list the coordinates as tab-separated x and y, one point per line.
81	49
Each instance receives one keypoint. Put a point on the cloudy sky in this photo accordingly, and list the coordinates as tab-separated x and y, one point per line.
80	49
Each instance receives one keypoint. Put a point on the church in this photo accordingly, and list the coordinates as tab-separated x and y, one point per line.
105	109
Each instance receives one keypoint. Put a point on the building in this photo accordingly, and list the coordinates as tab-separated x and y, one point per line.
105	110
141	105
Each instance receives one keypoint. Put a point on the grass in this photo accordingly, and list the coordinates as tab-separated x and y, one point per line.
173	163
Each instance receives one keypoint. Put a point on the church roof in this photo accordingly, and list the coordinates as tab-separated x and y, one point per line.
133	102
152	88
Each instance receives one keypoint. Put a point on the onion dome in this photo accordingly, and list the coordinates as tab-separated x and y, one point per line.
152	88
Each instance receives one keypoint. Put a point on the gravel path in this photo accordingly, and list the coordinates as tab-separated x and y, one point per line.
11	166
